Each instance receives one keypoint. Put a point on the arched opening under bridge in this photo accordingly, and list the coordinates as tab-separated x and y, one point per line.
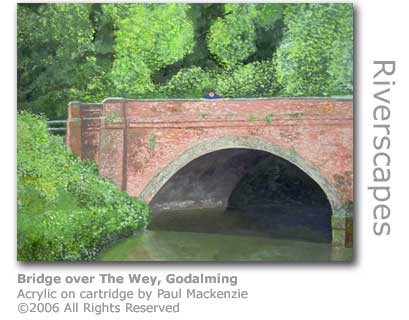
248	187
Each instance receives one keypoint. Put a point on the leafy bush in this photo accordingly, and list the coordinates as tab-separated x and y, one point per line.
232	38
315	55
65	210
131	78
189	83
148	38
268	14
255	79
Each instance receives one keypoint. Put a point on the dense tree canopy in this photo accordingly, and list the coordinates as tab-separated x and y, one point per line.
88	52
316	55
232	38
147	38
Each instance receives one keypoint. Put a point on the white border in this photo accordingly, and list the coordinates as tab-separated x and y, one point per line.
374	287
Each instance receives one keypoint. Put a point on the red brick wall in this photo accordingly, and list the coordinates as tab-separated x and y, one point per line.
120	137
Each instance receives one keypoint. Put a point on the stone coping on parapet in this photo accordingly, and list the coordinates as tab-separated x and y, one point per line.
334	98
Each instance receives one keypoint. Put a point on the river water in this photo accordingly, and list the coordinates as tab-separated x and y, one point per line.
220	235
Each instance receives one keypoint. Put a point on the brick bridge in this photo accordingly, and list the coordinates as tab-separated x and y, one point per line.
141	144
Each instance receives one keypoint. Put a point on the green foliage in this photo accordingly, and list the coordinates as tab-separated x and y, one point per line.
269	118
252	117
148	37
293	152
189	83
295	115
56	57
232	38
112	116
348	206
131	78
152	142
315	56
236	36
65	210
268	14
158	34
105	139
87	52
255	79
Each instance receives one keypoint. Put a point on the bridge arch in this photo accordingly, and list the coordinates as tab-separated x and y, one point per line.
242	142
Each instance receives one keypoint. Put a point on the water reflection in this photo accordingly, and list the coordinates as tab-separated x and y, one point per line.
219	235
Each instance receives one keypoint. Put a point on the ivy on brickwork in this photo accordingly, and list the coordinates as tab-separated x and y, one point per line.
105	139
292	152
269	118
152	142
112	116
295	115
348	206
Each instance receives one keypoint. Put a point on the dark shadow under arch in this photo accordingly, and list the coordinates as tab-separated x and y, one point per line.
239	142
264	193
